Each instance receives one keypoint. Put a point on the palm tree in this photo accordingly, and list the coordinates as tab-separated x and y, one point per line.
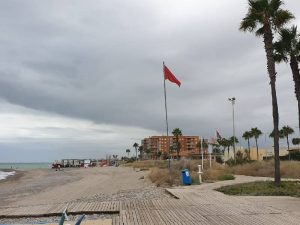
199	146
287	49
247	135
177	132
227	143
135	145
286	131
141	150
223	143
232	142
128	151
255	132
280	134
264	17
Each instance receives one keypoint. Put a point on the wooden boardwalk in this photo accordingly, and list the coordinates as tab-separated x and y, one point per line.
192	206
56	209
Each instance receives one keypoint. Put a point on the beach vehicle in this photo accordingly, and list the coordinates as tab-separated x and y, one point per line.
57	164
87	163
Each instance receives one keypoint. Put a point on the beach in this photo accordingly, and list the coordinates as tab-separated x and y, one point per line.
47	186
75	185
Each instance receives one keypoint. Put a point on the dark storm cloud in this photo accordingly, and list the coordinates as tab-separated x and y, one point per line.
102	61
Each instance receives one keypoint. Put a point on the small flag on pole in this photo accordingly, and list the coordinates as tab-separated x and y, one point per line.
170	76
218	135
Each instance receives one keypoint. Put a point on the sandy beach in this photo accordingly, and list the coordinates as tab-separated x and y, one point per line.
47	186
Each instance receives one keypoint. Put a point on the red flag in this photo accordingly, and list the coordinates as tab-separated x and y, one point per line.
170	76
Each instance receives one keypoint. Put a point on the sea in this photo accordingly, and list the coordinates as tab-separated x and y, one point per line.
20	166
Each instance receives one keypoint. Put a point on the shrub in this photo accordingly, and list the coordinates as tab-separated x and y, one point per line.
226	177
263	188
165	177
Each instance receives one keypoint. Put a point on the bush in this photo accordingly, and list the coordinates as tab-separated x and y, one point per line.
263	188
226	177
165	177
289	169
241	158
219	159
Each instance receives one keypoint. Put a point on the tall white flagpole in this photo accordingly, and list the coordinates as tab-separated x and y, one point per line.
166	110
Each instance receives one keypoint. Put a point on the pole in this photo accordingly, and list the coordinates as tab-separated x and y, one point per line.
232	100
233	129
202	153
166	110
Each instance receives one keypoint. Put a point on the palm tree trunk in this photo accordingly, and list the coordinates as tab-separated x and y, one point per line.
228	151
296	77
249	149
256	149
268	41
299	112
288	144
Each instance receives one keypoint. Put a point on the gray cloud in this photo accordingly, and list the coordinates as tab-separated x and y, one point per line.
102	62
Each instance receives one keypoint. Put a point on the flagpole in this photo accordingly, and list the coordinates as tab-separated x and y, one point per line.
166	110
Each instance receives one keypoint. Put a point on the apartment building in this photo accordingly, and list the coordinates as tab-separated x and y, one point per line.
162	144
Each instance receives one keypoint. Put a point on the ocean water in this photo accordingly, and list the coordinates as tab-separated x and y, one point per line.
4	175
25	166
20	166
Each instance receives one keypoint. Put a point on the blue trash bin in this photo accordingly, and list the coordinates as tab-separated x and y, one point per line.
186	178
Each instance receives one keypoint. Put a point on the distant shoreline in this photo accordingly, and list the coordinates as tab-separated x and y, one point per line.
24	166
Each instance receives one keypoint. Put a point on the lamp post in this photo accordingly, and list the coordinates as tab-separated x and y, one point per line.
232	100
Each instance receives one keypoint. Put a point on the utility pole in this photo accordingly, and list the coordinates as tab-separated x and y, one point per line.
232	100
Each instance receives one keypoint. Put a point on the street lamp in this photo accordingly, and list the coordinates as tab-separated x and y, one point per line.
232	100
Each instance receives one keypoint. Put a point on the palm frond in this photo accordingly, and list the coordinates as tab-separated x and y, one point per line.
275	5
253	16
298	46
280	53
281	17
278	58
260	31
248	24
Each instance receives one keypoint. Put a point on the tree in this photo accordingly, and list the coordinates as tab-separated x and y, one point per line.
141	150
255	132
232	141
223	143
128	151
177	133
264	17
280	134
247	135
286	131
136	145
148	152
296	141
287	49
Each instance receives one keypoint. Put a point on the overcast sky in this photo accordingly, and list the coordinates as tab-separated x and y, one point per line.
84	78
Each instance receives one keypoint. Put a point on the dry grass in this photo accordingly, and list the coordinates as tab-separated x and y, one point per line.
172	177
289	169
148	164
216	172
161	175
165	177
